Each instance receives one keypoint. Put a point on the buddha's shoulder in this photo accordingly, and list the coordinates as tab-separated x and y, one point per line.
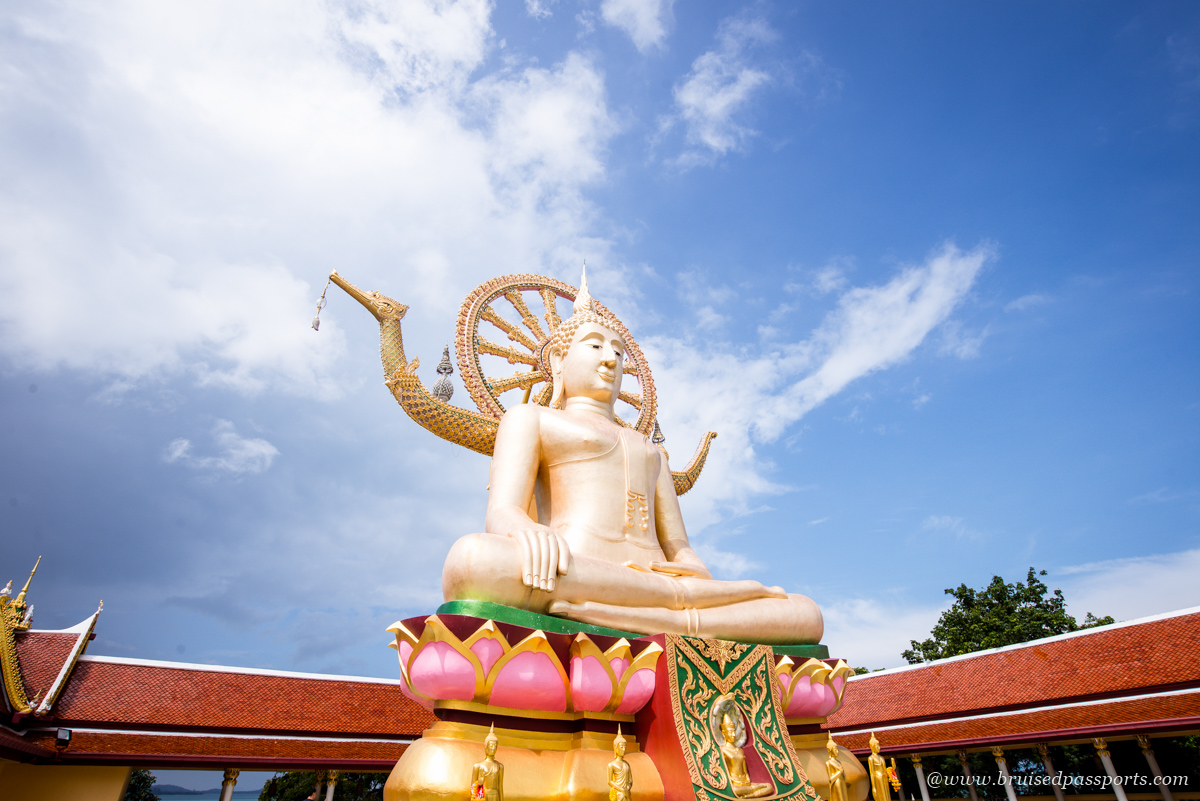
530	416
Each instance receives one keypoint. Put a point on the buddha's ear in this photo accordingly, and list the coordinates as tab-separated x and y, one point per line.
556	361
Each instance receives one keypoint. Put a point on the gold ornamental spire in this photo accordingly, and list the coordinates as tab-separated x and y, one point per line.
20	600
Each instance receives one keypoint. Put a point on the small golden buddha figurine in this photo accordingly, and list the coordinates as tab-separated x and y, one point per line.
583	520
620	775
487	777
734	733
880	791
839	790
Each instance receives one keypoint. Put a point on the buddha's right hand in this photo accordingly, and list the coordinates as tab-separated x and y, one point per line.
544	556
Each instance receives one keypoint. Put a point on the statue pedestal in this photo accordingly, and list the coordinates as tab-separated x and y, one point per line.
537	765
556	692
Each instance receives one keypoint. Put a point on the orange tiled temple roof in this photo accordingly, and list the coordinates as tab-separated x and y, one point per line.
1139	676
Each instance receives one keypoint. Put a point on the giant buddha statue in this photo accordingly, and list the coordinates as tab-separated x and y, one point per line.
583	519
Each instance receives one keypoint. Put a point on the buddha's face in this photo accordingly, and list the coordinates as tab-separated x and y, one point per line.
728	729
619	748
833	749
593	364
489	746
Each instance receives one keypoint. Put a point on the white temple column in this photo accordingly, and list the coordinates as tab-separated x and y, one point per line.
916	760
1043	750
1152	761
966	767
320	784
1105	757
230	781
333	780
1005	776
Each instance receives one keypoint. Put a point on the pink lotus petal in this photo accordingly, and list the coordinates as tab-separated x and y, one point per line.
590	686
488	651
530	681
638	690
442	673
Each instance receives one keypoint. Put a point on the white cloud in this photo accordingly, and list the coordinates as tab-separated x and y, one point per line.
182	177
539	9
1134	587
1162	495
237	454
645	21
953	525
956	341
750	398
719	87
1027	302
829	278
724	564
872	633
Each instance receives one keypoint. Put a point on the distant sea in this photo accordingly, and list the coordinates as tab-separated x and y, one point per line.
207	795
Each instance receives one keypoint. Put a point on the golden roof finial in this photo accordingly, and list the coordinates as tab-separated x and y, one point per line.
21	595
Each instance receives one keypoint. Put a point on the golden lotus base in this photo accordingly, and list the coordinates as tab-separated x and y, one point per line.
810	751
564	766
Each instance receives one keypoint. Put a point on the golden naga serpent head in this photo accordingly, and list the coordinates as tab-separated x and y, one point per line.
497	326
383	307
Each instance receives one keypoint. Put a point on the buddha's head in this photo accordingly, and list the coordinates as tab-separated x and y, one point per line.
728	728
832	747
874	744
586	354
619	744
491	742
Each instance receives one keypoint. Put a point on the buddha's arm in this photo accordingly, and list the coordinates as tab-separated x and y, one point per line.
544	555
672	535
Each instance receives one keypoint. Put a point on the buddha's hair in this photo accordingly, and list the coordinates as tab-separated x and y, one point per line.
586	310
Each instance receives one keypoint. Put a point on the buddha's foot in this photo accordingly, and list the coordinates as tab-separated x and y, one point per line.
794	619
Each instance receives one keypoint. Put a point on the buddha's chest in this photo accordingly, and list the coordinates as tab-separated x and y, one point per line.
601	484
601	455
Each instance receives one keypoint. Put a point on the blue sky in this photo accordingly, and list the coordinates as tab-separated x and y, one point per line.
930	270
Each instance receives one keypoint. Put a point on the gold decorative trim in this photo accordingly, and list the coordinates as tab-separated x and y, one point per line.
14	683
536	714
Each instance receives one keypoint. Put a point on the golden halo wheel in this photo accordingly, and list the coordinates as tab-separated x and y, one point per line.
498	330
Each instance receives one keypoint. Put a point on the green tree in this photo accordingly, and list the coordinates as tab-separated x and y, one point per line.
141	786
999	614
297	785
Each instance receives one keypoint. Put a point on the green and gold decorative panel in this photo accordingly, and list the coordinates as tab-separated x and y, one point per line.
725	700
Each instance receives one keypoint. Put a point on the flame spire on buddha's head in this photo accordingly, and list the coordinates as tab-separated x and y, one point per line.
585	310
583	301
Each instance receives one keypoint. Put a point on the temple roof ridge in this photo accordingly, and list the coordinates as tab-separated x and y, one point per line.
246	671
78	628
1192	610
